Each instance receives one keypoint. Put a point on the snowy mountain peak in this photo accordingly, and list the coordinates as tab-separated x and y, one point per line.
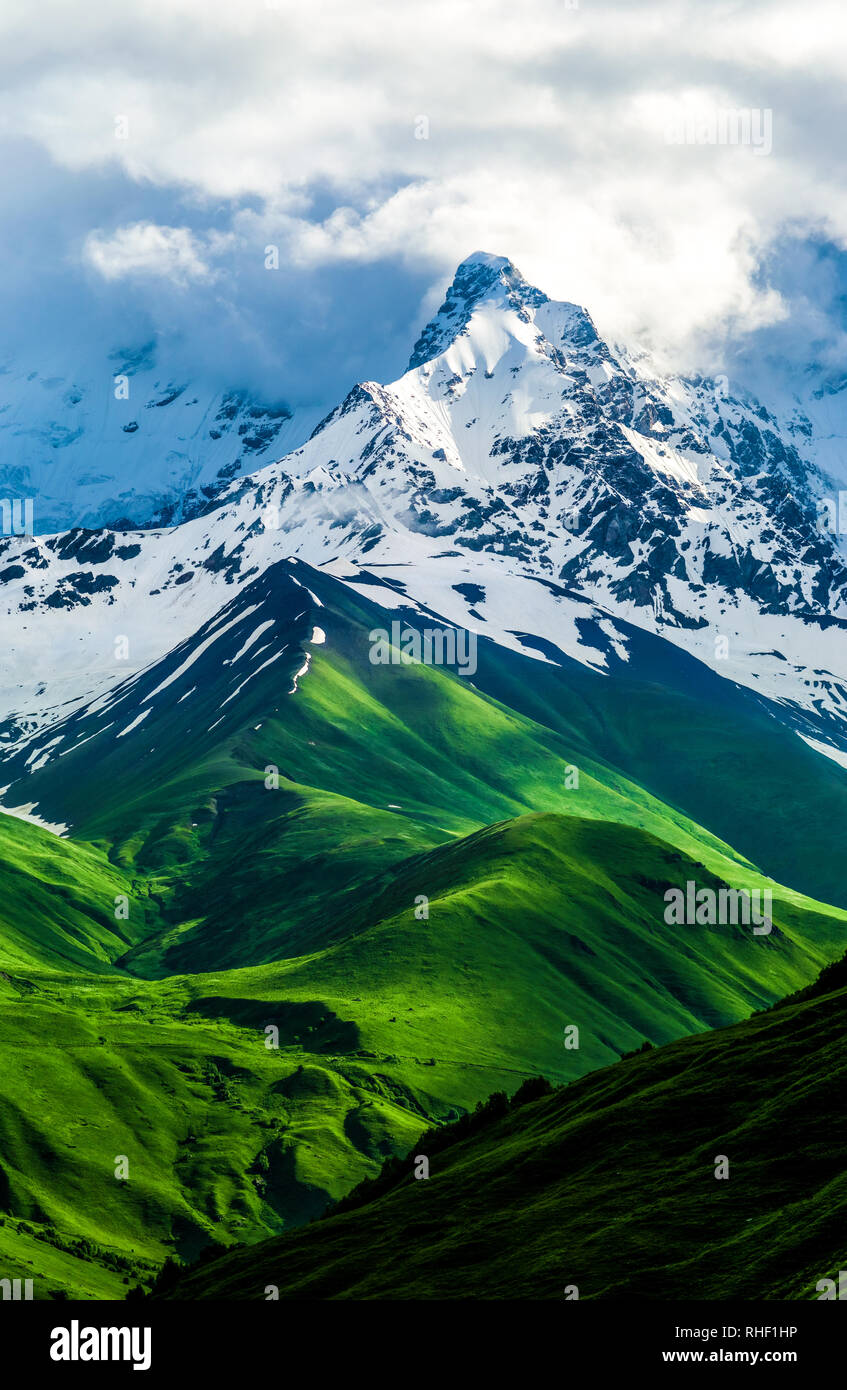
518	472
480	276
119	437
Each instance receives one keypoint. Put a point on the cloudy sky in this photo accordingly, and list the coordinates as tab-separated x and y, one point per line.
153	150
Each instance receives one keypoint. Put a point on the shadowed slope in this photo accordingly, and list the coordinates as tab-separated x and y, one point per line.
608	1184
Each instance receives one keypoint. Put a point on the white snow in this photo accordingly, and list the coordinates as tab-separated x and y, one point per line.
838	755
134	725
303	669
27	812
254	636
200	649
239	688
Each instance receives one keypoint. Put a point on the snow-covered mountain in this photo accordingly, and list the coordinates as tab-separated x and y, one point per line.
120	442
522	479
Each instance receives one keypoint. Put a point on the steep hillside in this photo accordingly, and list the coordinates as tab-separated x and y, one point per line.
608	1184
165	767
57	904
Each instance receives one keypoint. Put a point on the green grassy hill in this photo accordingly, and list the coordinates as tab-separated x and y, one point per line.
607	1184
293	903
534	925
58	903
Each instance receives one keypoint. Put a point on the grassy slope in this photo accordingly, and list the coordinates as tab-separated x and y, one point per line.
266	872
295	907
607	1184
58	902
698	743
224	1137
534	924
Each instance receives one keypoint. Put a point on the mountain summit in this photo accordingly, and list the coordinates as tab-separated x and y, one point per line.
480	276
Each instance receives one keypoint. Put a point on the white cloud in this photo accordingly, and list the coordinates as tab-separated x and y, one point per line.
145	249
546	137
